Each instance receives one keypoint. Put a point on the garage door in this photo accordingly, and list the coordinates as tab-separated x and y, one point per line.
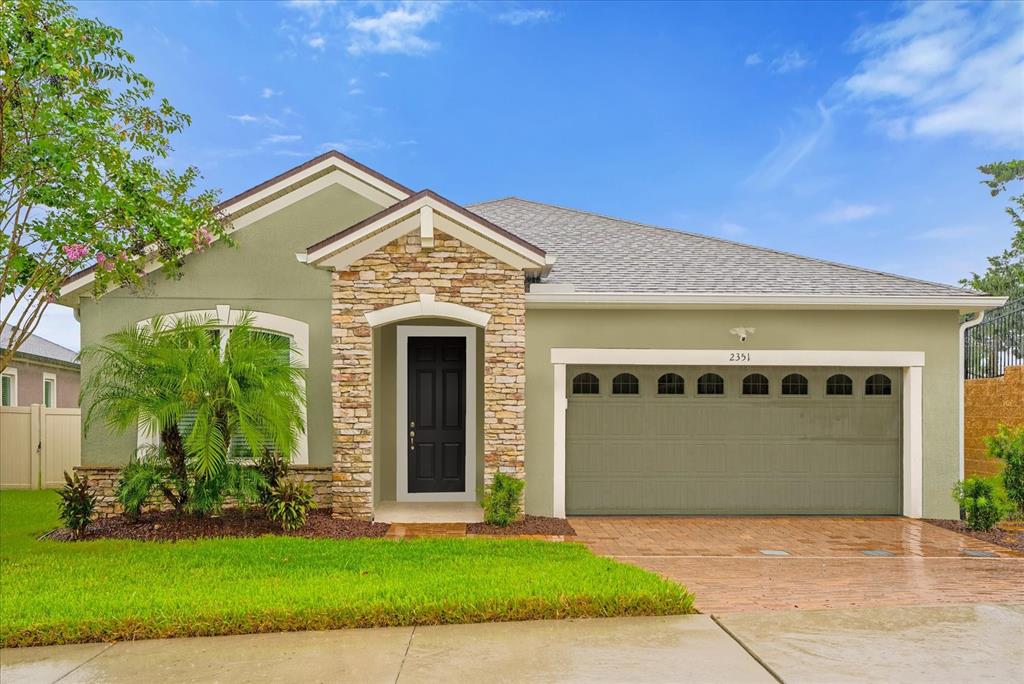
721	440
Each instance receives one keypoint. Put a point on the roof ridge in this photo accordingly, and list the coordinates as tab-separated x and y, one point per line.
3	328
701	236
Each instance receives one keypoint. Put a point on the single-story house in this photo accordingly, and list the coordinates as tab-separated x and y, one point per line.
619	368
41	372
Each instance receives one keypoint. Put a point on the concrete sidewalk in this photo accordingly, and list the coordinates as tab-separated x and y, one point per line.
971	643
682	648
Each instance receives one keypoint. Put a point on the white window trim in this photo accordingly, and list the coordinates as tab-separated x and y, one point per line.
50	377
402	492
224	315
12	373
428	307
912	364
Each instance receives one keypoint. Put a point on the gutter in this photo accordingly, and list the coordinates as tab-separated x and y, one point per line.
555	296
964	327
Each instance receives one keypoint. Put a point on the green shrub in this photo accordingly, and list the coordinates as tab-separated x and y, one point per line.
982	502
290	502
274	468
1008	446
77	504
501	503
136	484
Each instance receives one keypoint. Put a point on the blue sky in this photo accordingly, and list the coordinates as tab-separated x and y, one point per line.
847	131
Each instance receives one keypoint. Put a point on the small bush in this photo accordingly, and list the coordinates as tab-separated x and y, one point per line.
135	486
77	504
1008	446
290	502
501	503
982	502
274	468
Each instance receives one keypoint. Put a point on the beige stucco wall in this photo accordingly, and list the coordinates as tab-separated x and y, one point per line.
261	274
935	333
30	383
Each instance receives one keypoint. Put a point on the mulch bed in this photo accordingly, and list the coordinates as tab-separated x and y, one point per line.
163	526
1011	539
531	524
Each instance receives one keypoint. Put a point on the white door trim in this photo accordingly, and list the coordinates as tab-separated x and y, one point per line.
402	492
911	362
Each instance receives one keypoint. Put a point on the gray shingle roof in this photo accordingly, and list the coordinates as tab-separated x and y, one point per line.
39	346
602	254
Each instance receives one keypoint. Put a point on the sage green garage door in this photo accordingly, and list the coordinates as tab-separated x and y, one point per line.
644	440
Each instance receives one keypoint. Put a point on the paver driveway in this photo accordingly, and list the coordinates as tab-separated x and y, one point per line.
723	561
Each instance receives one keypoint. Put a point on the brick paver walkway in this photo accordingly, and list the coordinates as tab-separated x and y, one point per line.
720	560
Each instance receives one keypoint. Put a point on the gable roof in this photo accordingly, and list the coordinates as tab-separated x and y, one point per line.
246	206
600	254
488	236
39	347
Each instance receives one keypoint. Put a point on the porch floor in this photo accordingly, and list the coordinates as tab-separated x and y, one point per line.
428	512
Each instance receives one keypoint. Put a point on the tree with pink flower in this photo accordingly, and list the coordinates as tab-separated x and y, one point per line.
82	178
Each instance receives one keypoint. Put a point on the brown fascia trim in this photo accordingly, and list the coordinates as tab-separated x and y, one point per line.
395	208
302	167
273	181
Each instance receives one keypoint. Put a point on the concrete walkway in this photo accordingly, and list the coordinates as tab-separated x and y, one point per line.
901	644
682	648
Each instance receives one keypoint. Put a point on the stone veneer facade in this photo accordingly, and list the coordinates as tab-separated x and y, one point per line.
397	274
103	480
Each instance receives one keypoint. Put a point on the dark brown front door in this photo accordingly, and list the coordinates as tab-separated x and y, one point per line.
437	414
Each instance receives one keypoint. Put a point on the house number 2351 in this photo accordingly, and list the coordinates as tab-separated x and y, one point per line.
739	356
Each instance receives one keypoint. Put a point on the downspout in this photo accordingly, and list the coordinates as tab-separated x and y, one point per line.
964	327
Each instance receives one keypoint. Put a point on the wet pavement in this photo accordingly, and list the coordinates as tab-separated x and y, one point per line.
786	562
899	644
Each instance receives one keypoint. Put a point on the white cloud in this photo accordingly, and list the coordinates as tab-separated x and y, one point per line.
518	17
791	60
732	230
353	144
394	31
844	213
316	41
383	74
753	59
314	10
274	139
268	93
791	150
943	69
947	233
253	118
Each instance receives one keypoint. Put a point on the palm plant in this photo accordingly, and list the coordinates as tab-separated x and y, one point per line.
147	376
238	389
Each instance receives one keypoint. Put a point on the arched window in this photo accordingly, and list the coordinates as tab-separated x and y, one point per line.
586	383
710	383
755	383
839	384
794	383
625	383
670	383
878	384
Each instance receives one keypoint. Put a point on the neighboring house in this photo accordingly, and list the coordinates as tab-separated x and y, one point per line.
620	368
42	372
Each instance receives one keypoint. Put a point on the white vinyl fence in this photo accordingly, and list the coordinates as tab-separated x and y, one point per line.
37	445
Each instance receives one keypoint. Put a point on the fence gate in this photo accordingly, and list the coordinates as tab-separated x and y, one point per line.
37	444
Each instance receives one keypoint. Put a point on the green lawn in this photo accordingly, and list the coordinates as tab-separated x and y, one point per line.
58	592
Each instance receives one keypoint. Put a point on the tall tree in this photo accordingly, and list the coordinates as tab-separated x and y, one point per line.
83	179
1005	273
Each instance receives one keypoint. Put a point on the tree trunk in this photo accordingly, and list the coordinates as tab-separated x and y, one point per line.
174	449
